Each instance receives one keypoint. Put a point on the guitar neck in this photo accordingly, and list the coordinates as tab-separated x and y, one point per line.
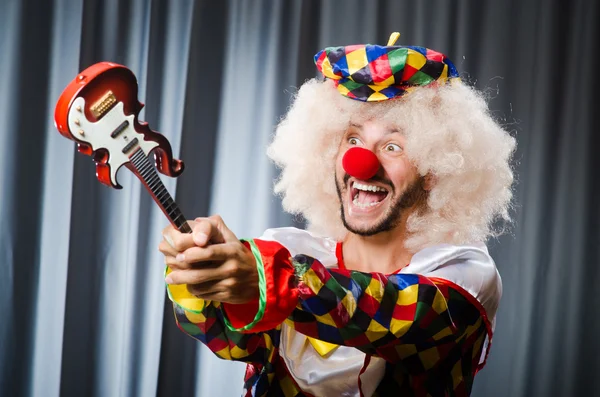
147	173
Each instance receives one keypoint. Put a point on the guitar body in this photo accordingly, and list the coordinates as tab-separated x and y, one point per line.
99	110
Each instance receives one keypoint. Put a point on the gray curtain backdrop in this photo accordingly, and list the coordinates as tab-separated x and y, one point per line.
82	302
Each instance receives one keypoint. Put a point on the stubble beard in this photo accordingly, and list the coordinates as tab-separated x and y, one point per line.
413	196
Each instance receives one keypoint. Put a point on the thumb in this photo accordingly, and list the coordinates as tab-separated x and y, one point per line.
226	233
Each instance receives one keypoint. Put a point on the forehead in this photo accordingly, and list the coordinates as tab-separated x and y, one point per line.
374	126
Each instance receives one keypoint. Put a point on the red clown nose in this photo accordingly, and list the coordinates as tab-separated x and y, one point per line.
360	163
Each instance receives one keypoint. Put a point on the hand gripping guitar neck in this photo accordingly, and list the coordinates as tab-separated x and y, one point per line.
99	110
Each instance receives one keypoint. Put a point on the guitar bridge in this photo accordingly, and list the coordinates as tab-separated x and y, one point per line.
103	105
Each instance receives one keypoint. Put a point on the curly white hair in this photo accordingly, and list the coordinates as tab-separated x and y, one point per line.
449	134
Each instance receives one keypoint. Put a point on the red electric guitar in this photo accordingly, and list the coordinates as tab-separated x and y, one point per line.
99	110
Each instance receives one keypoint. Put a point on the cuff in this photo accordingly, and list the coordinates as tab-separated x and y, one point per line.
180	295
277	290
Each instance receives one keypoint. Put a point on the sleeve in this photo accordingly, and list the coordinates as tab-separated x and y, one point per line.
206	322
397	317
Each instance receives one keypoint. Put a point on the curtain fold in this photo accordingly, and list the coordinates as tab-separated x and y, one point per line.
81	293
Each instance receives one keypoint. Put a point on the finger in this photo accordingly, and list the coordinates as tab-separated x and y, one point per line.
174	264
228	235
205	230
215	290
204	288
179	241
166	248
219	296
214	252
194	276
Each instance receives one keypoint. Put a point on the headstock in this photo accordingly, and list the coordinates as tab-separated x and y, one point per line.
99	110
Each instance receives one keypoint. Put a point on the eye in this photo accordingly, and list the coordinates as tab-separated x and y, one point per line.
354	141
392	147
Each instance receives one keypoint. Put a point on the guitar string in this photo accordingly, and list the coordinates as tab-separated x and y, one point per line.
150	176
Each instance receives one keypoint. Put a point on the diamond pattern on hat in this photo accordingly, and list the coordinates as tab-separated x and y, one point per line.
373	73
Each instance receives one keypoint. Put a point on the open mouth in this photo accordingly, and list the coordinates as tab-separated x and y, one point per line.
365	195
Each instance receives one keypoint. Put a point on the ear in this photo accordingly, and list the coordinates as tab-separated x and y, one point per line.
429	181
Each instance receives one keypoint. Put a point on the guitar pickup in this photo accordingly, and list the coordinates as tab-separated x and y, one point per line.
119	129
103	104
130	145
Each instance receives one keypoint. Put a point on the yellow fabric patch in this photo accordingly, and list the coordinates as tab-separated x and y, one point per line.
195	318
326	319
288	387
457	375
312	281
375	331
377	97
327	70
323	348
399	327
349	303
429	357
343	90
439	303
444	75
443	333
375	289
405	351
408	295
224	353
236	352
386	83
415	59
357	60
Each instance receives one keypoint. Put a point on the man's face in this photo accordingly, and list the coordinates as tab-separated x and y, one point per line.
378	204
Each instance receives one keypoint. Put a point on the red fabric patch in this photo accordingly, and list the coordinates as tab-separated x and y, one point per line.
434	55
380	69
216	344
405	312
320	60
409	71
309	329
340	315
339	254
354	47
360	340
368	304
321	272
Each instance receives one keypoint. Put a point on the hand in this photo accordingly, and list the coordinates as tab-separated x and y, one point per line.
212	261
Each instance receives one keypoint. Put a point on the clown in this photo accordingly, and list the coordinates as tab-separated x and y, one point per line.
400	172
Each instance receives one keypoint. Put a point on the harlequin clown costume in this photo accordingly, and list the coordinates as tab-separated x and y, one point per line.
320	329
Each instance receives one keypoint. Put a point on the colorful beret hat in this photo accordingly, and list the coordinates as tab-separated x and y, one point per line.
373	73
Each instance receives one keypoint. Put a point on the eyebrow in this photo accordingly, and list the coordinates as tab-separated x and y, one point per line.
387	132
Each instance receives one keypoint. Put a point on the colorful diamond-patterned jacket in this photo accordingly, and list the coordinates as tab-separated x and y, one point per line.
322	330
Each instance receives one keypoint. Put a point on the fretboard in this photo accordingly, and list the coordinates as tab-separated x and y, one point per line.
147	173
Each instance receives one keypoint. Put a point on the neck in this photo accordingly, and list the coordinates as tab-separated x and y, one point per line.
382	253
141	166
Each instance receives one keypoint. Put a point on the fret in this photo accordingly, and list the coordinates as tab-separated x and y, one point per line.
147	173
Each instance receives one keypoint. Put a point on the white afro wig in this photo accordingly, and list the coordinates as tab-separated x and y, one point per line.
449	135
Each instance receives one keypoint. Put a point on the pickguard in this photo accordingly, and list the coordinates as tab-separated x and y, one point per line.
98	134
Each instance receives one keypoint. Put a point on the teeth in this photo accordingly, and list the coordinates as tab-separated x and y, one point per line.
363	205
368	188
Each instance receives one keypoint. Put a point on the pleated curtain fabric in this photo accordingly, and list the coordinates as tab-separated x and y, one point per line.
82	299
